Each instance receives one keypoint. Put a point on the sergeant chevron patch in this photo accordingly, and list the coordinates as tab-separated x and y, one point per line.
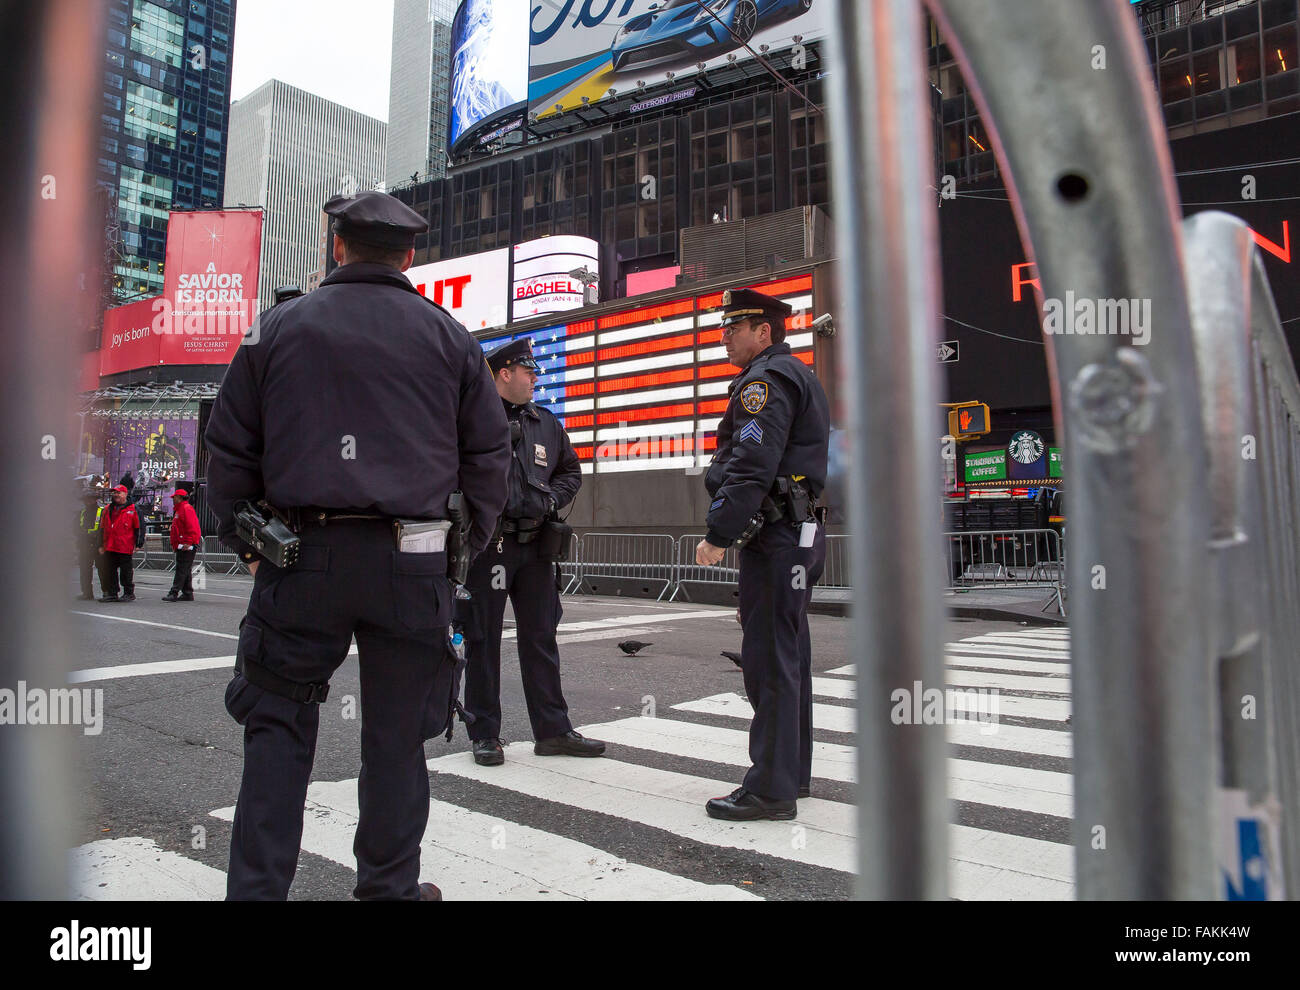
752	431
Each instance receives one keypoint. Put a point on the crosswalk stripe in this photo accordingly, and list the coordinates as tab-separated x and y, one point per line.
591	625
1010	738
830	687
832	718
995	864
138	869
1002	663
1049	684
476	857
953	657
962	701
1041	791
1000	650
837	718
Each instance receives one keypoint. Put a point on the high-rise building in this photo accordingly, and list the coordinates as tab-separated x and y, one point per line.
290	151
163	127
417	94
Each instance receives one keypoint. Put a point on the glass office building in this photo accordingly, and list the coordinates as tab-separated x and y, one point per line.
163	127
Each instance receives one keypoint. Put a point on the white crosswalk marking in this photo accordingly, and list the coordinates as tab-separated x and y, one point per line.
473	855
480	857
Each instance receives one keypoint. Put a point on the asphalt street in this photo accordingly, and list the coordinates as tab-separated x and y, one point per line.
164	773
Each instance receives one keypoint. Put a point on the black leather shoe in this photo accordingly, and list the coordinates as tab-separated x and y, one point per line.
186	598
428	892
127	598
805	792
743	806
569	744
110	598
488	752
171	596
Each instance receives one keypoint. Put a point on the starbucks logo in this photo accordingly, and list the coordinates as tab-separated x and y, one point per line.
1025	447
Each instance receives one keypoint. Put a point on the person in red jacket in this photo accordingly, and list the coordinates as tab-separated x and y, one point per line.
185	541
118	527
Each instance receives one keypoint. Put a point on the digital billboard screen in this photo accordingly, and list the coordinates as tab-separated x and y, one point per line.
489	67
587	47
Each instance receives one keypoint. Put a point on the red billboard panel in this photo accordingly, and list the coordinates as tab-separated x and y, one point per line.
209	301
129	341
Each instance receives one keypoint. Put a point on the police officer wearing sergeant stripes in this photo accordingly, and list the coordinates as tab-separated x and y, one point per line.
771	462
545	475
361	403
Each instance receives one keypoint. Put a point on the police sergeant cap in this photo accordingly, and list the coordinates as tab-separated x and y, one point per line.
516	352
377	219
743	304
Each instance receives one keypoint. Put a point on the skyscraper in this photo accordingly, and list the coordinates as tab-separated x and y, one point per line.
290	151
163	127
417	94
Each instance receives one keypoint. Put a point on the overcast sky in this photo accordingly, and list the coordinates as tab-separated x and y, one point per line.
338	49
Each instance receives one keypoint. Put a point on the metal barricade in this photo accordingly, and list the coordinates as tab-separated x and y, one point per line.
1007	560
1157	652
726	573
215	558
571	569
629	556
1251	408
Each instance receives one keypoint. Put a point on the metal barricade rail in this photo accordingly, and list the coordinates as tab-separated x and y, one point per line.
644	557
725	573
1007	559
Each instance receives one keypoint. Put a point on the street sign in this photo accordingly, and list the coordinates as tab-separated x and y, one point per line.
949	352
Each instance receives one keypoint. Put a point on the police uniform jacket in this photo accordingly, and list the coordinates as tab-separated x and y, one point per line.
777	423
543	466
360	395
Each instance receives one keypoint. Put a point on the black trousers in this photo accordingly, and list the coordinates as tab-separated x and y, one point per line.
349	580
529	582
776	580
89	561
183	579
119	573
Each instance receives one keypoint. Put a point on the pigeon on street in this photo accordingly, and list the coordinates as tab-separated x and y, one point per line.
631	647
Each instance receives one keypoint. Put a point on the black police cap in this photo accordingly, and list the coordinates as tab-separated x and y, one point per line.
377	219
516	352
744	304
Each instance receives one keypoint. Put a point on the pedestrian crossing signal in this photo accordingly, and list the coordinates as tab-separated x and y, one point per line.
970	419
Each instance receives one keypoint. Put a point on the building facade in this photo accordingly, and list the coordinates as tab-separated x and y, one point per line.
290	151
417	94
1215	63
163	127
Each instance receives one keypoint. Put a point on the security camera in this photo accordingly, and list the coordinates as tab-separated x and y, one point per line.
824	325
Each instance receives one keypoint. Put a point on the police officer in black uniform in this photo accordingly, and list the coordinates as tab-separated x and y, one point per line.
361	403
544	477
764	481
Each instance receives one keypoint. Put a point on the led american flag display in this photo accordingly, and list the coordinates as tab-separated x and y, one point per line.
643	389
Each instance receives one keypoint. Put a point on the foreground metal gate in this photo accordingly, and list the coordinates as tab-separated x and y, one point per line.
1182	615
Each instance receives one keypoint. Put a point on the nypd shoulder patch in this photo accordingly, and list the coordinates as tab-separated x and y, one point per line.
754	397
752	431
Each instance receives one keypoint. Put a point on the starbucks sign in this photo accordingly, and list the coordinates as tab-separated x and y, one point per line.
1025	447
988	466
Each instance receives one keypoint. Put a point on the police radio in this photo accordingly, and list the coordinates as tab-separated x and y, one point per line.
271	538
